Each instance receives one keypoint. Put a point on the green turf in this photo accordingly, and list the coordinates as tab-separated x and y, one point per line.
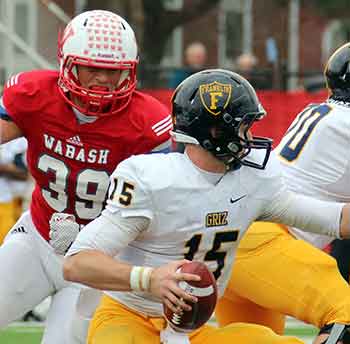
21	335
33	334
301	331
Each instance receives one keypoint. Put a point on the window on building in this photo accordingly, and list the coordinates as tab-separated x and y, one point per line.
173	51
235	30
173	5
21	22
2	44
233	34
19	17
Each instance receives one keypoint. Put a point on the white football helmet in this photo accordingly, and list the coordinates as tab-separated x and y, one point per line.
97	39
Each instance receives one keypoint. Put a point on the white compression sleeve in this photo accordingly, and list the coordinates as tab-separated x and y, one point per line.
108	233
305	213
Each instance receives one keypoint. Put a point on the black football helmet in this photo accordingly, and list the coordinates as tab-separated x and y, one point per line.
225	101
337	73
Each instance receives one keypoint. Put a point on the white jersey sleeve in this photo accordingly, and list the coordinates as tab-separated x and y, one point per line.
109	233
283	206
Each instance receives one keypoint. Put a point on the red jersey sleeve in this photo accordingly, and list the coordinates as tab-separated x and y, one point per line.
155	118
24	97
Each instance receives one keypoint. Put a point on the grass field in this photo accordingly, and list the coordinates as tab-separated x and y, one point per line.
23	333
30	333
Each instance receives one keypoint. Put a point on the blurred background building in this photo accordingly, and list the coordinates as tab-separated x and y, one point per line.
290	39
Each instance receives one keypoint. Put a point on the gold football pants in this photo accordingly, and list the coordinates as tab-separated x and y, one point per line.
7	219
275	274
17	207
114	323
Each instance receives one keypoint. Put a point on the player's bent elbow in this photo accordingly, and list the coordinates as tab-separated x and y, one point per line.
69	269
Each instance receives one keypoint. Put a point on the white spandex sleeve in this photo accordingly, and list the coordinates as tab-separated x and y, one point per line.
305	213
108	233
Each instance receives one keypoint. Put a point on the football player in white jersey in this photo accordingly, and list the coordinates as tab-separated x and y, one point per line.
295	278
13	180
195	205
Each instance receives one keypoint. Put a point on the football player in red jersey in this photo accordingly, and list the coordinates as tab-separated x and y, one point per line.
80	122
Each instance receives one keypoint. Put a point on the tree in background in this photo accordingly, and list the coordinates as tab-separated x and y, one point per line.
332	9
153	22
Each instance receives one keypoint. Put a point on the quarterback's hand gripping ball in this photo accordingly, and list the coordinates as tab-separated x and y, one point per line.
63	231
206	292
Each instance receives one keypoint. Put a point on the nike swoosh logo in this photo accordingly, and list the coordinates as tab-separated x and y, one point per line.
237	199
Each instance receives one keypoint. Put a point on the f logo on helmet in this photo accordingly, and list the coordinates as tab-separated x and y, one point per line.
215	96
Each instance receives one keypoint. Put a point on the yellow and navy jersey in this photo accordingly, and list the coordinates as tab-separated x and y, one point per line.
315	156
190	214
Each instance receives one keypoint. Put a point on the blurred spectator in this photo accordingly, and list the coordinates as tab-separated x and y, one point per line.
246	65
195	60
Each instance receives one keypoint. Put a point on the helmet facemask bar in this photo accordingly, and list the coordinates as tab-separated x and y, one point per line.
97	102
97	39
257	142
235	142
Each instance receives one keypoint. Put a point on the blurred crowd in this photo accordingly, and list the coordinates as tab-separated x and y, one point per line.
195	58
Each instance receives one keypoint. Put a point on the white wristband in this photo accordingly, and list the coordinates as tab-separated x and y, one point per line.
140	278
135	282
146	278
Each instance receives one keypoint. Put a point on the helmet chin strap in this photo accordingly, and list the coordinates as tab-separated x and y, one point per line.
231	163
234	165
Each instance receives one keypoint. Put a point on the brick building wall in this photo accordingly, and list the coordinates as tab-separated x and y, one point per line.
269	20
205	30
312	27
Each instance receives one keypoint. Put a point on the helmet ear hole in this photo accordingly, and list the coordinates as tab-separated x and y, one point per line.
227	118
234	147
207	145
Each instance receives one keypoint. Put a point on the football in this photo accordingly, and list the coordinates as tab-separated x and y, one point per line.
206	292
